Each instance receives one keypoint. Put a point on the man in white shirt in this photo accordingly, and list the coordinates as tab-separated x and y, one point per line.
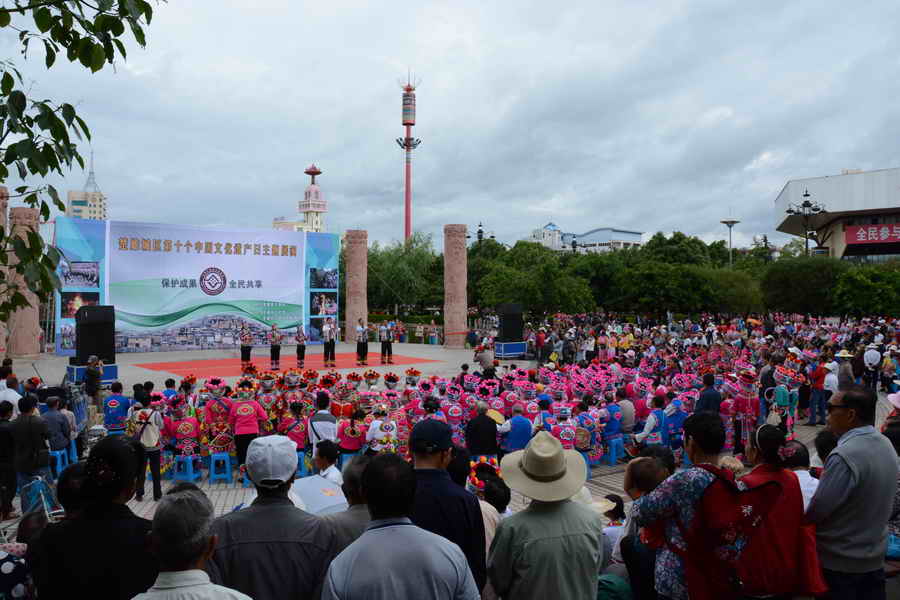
872	360
327	453
182	540
9	393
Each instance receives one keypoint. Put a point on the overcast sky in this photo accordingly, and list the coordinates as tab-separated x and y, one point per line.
639	115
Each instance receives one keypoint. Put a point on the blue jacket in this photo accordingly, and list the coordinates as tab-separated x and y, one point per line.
519	434
614	425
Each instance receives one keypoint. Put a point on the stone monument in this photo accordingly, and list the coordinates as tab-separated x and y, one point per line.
356	256
456	306
24	328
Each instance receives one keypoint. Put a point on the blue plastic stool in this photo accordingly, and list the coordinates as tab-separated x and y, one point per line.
302	471
616	450
73	453
59	460
184	468
223	473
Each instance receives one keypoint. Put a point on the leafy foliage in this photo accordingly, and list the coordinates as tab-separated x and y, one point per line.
38	136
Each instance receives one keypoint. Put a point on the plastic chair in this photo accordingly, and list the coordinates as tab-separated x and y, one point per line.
73	453
616	450
59	460
220	467
184	468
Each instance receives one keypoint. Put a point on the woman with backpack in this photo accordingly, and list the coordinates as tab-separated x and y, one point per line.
147	423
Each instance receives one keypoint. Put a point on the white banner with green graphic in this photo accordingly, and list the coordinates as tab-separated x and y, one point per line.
182	287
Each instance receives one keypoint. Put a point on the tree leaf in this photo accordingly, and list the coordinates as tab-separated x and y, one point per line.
85	52
17	101
121	47
54	195
6	83
5	18
50	56
84	127
43	19
116	26
68	112
98	57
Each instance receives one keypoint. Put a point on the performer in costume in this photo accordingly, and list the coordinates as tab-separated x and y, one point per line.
329	335
386	337
362	344
217	434
300	338
246	346
275	338
270	401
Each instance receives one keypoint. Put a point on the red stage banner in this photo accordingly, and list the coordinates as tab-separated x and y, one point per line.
872	234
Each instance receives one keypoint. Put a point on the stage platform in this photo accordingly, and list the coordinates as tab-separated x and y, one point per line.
226	363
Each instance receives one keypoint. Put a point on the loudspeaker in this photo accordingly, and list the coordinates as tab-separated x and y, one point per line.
511	323
95	333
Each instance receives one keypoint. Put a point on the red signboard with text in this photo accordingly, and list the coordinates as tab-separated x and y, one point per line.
872	234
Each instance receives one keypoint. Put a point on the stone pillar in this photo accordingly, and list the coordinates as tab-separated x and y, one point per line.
4	203
24	327
456	306
356	260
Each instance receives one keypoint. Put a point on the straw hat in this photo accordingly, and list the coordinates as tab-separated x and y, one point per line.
543	470
583	497
844	354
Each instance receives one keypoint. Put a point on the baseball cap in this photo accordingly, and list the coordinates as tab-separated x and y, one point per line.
430	435
271	460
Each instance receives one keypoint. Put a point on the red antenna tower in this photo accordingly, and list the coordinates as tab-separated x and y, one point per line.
408	143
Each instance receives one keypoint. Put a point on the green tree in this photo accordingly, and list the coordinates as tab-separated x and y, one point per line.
677	249
869	290
793	248
718	253
36	134
802	285
404	273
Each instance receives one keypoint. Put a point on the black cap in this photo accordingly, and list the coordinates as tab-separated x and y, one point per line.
429	436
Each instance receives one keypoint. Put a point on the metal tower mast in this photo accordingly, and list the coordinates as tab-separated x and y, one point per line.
408	143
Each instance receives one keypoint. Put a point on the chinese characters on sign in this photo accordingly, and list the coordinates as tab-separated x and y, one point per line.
198	247
192	283
872	234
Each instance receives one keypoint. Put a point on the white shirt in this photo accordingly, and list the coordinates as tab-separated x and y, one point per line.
808	485
831	382
648	428
188	585
333	475
13	396
872	358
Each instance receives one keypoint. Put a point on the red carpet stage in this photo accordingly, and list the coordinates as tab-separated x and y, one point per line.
231	367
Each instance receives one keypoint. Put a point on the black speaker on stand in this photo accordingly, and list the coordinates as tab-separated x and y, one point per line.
511	323
95	334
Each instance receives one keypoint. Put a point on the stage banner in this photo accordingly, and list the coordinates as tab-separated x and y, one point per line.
82	272
322	256
179	287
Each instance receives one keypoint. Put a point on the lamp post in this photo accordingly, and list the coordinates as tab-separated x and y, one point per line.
806	210
479	234
574	246
729	223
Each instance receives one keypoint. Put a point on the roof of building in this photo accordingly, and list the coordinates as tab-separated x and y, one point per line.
551	226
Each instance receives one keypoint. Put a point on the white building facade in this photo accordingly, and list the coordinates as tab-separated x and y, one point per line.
602	239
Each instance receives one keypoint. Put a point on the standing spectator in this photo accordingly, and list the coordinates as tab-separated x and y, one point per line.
797	459
419	565
10	393
31	435
105	548
65	408
7	468
93	375
854	499
272	549
872	361
817	397
170	391
57	426
181	538
780	557
845	369
441	506
148	424
710	398
323	424
351	523
553	548
481	433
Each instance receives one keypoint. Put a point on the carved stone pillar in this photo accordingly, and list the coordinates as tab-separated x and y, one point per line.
4	203
456	306
24	326
356	258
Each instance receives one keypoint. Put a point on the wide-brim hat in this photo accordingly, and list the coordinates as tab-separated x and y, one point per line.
894	399
544	471
872	346
844	354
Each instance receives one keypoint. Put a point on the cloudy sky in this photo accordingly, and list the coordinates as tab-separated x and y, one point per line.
639	115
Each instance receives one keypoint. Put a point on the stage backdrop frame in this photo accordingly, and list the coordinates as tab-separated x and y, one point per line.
182	287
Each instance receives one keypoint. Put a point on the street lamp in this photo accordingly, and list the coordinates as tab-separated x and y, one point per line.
729	223
806	210
574	246
479	234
